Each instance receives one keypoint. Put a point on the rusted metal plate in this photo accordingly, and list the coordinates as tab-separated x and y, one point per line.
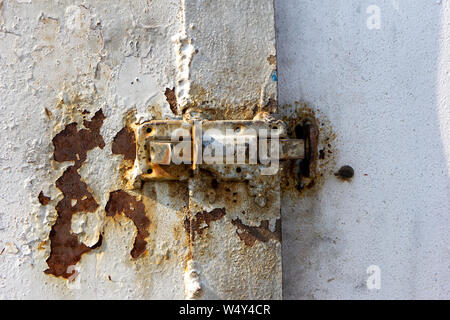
232	149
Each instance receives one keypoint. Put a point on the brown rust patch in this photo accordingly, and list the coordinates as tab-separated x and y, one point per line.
43	199
262	233
124	143
272	59
120	202
196	225
171	99
66	249
72	144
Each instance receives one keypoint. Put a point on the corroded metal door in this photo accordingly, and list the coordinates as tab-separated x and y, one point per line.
112	67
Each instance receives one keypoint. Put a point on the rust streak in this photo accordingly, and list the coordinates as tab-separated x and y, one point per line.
262	233
121	202
125	143
171	99
196	225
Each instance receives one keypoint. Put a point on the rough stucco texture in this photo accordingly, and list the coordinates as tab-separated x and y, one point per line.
386	94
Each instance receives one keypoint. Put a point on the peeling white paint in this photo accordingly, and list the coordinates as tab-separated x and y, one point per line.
58	59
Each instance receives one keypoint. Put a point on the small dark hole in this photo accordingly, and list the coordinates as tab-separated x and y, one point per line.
149	130
345	172
180	138
238	170
214	184
300	132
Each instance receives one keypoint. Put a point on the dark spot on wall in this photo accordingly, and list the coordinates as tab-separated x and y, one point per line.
120	202
72	144
124	143
66	249
272	59
196	224
321	154
345	173
262	233
171	99
48	113
43	199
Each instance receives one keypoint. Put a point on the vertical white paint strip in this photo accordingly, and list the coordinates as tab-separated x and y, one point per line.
443	93
184	50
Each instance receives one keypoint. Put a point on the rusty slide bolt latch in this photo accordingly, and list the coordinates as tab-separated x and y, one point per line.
233	149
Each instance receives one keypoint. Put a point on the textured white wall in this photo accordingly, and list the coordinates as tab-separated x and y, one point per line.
386	93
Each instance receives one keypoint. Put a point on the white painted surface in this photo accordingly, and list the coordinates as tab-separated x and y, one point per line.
386	93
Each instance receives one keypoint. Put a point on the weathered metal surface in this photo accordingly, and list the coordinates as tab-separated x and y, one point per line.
99	72
163	145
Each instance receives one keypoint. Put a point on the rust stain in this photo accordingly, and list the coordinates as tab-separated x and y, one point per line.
305	177
272	59
120	202
43	199
196	225
48	113
171	99
124	143
262	233
42	245
72	144
66	249
271	106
